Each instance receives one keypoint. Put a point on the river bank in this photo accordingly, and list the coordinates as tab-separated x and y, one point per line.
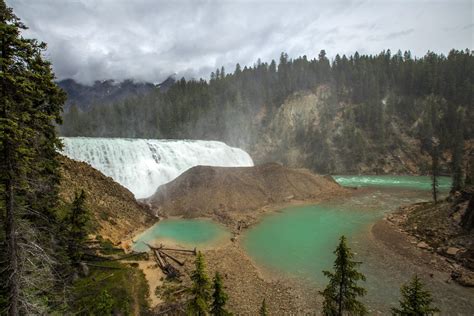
388	261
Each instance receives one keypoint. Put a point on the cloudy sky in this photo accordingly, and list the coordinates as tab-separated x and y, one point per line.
147	40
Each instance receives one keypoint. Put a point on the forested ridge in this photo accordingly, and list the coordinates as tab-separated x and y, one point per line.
424	97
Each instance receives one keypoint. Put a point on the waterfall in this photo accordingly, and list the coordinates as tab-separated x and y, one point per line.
141	165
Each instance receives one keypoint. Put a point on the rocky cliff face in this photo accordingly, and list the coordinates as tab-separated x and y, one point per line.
313	130
116	215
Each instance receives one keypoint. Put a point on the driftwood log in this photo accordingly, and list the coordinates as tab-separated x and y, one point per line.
161	257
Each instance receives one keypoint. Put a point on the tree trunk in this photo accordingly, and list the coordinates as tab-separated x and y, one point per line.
467	221
10	234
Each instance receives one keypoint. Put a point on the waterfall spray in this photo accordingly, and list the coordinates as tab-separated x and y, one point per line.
141	165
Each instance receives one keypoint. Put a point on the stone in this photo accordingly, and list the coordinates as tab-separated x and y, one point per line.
452	251
423	245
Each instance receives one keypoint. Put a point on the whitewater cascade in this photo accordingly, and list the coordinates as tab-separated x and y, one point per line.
141	165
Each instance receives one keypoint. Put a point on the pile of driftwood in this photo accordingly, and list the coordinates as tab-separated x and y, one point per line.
164	259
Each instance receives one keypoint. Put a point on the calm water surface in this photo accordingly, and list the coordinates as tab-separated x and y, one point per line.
186	232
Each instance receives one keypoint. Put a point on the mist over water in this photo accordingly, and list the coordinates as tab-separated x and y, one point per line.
142	165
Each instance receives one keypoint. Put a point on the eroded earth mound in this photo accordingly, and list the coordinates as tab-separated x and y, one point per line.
204	191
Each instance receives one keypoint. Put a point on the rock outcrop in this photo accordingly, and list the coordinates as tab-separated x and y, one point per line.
315	130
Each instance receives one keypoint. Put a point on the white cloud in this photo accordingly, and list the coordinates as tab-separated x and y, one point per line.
148	40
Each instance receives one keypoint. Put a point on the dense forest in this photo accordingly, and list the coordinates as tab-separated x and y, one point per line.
426	97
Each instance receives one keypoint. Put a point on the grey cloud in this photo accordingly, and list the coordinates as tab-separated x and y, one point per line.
150	39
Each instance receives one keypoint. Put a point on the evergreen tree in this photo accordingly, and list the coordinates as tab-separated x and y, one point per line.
77	221
434	168
416	301
219	297
341	293
200	290
30	105
458	148
263	311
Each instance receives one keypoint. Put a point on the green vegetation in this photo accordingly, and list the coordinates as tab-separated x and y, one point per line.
341	293
415	300
435	169
110	286
263	311
200	290
458	151
219	297
76	222
43	241
194	298
30	107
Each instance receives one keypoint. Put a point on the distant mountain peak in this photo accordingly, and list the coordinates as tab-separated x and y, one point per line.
167	83
102	92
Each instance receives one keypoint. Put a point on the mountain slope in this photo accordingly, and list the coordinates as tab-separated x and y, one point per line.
101	92
312	129
116	215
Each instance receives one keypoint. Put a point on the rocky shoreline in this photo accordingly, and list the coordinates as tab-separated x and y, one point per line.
436	231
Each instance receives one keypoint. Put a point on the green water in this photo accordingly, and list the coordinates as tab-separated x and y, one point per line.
406	182
299	242
186	232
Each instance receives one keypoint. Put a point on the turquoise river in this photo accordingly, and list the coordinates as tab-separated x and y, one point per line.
299	241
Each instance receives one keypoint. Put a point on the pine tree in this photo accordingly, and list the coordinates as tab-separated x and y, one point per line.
263	311
341	293
77	221
219	297
416	300
30	105
458	148
200	290
434	168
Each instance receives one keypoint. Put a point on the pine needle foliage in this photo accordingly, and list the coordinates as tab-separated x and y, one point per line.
219	297
340	295
77	221
416	301
30	108
263	311
200	290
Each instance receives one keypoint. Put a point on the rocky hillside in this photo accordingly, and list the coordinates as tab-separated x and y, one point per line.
314	130
115	212
446	228
215	191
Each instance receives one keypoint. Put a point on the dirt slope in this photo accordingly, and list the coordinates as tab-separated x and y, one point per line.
204	191
116	214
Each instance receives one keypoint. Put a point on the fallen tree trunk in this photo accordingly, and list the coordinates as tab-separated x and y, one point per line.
181	263
179	250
